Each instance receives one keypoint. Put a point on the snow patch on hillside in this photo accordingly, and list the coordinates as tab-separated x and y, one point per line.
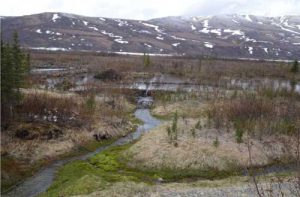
289	30
235	21
159	37
118	39
49	48
176	44
216	31
154	26
177	38
140	54
193	27
148	45
250	49
248	18
208	45
234	32
94	28
55	17
143	31
38	31
85	23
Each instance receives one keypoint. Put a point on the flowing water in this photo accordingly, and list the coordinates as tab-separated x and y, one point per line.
43	179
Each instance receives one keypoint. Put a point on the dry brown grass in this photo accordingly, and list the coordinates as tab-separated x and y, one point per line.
233	186
155	151
74	121
260	115
190	108
209	70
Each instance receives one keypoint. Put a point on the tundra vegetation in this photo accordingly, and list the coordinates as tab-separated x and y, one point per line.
242	119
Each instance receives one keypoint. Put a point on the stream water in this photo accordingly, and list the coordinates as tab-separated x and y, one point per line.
41	181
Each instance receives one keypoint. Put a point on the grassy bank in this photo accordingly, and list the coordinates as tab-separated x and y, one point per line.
111	166
108	172
18	170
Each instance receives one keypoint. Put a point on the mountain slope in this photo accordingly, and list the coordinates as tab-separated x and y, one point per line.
233	36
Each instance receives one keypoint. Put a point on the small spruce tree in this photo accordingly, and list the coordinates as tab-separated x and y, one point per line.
295	67
14	69
147	61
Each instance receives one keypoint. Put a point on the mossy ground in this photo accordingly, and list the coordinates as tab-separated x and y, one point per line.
104	169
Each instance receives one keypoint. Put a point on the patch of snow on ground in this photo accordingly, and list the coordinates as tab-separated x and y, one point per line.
266	50
193	27
250	49
287	24
121	23
261	23
147	45
267	42
234	32
195	19
159	37
205	27
73	23
118	39
208	45
144	32
55	17
38	31
205	23
216	31
53	33
247	17
204	30
296	43
94	28
285	29
249	39
49	48
153	26
177	38
234	21
102	19
121	41
85	23
140	54
176	44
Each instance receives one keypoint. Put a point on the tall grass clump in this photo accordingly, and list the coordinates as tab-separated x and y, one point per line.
255	114
172	130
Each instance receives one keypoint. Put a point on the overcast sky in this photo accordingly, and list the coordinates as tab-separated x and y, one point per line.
146	9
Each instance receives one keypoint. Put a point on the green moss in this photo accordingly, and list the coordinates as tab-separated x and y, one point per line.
110	166
96	173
